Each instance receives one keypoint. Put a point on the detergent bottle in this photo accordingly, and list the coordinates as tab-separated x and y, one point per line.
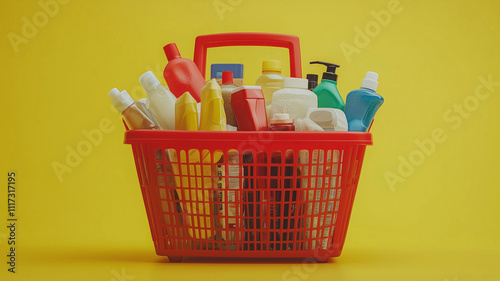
327	92
249	107
226	88
181	74
294	99
271	79
362	104
160	101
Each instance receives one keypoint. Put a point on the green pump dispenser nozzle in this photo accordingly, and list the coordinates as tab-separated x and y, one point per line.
330	70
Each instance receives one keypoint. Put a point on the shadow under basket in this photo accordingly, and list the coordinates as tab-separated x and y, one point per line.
248	194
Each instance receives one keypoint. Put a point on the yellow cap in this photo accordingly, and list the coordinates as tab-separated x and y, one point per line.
186	113
271	65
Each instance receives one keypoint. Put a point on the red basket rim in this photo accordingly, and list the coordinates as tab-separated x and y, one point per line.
138	136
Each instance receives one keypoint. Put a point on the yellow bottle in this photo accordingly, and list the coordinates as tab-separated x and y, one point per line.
213	116
271	79
186	113
186	118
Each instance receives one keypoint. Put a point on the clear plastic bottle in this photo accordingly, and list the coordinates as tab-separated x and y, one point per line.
294	99
134	113
271	79
161	102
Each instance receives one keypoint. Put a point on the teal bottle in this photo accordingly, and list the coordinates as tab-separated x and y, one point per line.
327	92
362	104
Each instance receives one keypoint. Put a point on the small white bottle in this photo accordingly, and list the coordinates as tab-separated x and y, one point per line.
330	119
134	114
294	99
160	101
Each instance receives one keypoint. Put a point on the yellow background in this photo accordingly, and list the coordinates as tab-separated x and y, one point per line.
440	223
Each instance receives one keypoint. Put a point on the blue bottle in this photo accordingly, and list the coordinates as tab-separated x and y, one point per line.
361	105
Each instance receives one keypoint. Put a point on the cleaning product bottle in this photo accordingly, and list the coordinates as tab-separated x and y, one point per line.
141	103
249	108
330	119
227	87
294	99
186	113
281	122
213	116
271	79
181	74
362	104
161	102
133	113
186	118
201	166
313	81
328	94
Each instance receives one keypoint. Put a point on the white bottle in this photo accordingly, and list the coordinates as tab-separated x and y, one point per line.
134	113
294	99
306	124
161	102
330	119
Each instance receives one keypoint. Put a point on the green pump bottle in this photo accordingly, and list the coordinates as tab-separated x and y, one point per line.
327	92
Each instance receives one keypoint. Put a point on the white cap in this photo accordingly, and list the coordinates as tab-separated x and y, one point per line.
120	100
281	116
370	81
143	101
149	81
292	82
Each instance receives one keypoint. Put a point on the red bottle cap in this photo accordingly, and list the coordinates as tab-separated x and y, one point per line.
171	51
227	77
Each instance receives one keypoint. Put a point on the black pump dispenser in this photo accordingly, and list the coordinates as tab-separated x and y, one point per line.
330	70
312	81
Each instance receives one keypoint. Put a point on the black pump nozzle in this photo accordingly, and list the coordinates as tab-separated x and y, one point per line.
312	81
330	70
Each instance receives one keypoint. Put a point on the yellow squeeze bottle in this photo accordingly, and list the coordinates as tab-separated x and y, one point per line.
213	116
186	118
186	113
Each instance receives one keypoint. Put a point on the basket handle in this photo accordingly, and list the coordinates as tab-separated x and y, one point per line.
203	42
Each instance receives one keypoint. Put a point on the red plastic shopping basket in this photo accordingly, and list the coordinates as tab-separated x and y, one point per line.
248	194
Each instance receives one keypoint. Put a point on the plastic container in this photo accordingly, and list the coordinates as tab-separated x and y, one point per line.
160	101
335	157
362	104
281	122
135	114
271	79
327	91
249	108
181	74
330	119
227	88
294	99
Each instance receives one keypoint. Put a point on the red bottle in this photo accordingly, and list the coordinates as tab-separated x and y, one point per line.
249	108
181	74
